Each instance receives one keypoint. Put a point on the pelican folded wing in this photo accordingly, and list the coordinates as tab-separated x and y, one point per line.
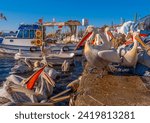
109	55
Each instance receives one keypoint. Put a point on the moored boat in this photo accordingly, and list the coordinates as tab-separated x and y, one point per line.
53	58
10	45
23	40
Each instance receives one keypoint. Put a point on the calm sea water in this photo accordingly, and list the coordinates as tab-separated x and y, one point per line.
5	67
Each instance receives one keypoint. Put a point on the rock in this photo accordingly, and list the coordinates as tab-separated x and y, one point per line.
112	90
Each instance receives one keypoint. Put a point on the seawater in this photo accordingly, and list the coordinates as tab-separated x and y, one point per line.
5	67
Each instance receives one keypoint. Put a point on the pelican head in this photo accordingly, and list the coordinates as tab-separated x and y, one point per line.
107	29
88	33
36	64
90	28
108	33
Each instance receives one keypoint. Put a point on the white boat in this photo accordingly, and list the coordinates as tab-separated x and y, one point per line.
68	48
10	45
53	58
25	35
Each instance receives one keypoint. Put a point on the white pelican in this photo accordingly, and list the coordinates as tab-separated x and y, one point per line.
37	87
144	58
99	56
130	57
65	66
95	35
126	28
23	66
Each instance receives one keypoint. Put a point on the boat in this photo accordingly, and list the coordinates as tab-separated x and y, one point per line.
26	34
53	58
10	45
61	38
68	48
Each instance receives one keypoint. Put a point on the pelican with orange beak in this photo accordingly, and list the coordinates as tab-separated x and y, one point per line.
100	56
44	83
130	57
108	34
37	87
144	57
96	37
146	47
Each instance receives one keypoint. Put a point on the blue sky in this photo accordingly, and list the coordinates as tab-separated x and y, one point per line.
99	12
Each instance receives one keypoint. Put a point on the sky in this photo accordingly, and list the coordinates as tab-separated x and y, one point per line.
98	12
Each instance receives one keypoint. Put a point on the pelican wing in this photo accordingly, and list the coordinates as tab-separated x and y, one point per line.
144	58
48	79
18	88
109	55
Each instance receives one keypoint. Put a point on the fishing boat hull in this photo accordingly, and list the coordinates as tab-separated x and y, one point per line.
25	41
68	48
53	58
11	50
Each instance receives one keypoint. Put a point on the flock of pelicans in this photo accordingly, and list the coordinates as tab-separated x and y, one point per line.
37	88
103	48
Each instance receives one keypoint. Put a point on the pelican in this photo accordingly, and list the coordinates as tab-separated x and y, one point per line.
37	87
28	62
95	35
126	28
144	58
23	66
116	40
108	34
65	66
16	93
145	47
101	56
130	57
48	69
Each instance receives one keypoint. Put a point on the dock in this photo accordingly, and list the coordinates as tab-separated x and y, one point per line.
113	90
